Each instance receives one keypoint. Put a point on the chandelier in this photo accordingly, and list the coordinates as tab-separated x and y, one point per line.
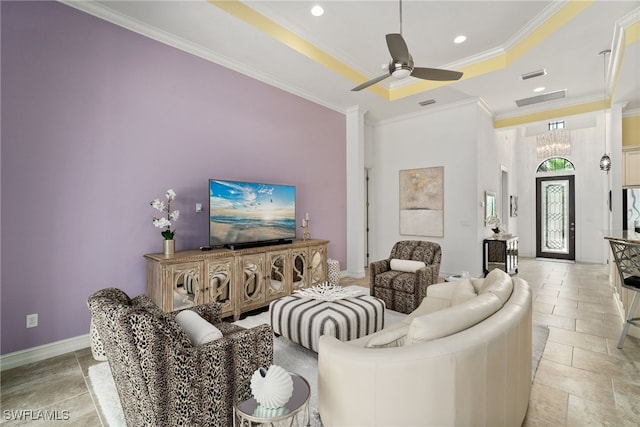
553	143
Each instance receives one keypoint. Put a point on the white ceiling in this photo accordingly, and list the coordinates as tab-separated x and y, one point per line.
350	36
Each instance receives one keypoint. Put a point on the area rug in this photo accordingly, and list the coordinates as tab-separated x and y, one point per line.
287	354
104	389
539	334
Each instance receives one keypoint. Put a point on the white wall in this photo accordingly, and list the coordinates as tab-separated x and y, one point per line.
462	139
495	155
448	137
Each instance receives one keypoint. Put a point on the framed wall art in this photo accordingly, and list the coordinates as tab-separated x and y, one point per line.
422	202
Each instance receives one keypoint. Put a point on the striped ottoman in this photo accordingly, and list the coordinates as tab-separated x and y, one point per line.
303	320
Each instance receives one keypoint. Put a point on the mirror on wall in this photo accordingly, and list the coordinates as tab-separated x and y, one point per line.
489	206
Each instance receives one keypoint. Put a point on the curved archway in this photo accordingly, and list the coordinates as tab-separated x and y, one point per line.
555	164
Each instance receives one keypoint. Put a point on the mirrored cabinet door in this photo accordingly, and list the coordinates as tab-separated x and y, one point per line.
318	267
252	277
299	268
185	283
219	286
278	279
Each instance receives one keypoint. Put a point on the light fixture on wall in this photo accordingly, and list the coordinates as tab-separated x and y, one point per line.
553	143
605	160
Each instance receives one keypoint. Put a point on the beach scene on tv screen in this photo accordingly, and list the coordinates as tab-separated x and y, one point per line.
250	212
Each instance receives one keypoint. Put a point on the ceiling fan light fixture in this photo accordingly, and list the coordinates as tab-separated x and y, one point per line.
401	70
401	73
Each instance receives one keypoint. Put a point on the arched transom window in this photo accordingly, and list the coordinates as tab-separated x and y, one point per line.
555	164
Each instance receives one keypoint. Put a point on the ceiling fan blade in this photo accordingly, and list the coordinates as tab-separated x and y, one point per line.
370	82
397	47
435	74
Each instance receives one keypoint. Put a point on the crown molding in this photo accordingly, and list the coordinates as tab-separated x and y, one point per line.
524	32
546	14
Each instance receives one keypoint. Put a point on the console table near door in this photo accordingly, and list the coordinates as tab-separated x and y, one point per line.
500	252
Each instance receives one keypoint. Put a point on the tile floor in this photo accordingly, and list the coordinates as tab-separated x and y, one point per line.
582	379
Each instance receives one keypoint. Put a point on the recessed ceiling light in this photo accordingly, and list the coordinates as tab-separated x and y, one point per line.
539	89
460	39
317	10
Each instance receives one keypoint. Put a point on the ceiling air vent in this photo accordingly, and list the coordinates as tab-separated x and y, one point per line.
427	102
542	98
527	76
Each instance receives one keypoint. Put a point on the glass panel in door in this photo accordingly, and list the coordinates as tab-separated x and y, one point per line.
555	218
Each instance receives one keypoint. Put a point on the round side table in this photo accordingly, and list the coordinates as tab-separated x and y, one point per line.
247	411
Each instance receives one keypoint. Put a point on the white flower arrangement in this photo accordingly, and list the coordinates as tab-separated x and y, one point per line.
495	224
171	218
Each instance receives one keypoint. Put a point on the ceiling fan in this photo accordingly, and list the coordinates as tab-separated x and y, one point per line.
401	64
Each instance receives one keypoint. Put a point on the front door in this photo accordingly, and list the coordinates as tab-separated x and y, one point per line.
555	217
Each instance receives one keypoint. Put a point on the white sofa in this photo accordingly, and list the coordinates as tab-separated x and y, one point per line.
459	359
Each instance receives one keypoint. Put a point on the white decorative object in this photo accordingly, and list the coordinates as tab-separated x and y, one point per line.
272	387
329	292
496	225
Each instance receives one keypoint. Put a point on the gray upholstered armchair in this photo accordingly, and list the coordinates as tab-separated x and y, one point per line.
401	288
161	377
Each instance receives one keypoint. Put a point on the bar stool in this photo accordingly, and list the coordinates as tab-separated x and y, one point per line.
627	259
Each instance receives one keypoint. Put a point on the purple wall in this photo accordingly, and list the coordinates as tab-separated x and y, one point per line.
96	122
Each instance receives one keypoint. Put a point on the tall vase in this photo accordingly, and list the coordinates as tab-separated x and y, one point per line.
169	247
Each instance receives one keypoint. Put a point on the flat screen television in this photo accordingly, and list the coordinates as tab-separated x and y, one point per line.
245	214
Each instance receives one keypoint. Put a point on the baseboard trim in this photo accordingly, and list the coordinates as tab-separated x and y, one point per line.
42	352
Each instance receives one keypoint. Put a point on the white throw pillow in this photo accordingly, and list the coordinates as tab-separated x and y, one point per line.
197	329
498	283
477	283
464	291
406	265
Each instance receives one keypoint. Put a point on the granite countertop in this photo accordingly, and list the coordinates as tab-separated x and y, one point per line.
626	235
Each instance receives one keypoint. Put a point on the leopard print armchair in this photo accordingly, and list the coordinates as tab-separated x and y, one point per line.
404	291
164	380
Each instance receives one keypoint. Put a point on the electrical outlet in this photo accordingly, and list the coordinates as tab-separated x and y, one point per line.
32	320
198	207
